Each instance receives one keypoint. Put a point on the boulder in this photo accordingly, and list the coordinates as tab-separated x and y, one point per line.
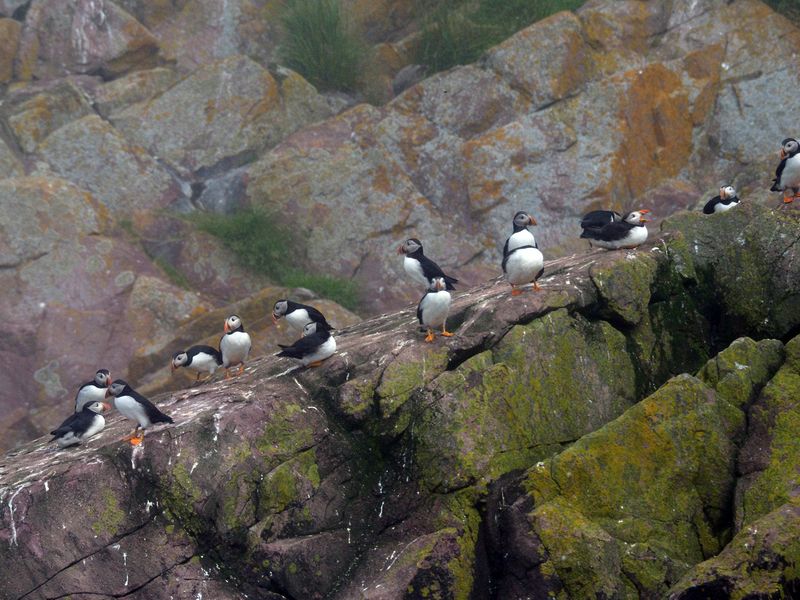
9	40
10	165
9	7
138	86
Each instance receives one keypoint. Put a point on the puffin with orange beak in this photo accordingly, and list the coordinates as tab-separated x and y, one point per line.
82	425
523	262
434	307
200	359
787	175
93	391
137	408
316	345
234	345
726	200
298	315
628	233
419	267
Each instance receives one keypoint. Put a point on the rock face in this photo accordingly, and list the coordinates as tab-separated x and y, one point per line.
548	449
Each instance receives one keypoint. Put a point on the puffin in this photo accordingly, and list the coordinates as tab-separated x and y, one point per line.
201	359
93	391
137	408
433	308
522	260
787	175
630	232
726	200
421	268
316	345
598	218
81	425
234	345
297	315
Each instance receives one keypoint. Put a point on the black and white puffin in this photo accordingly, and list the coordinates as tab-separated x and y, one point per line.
93	391
81	425
298	315
598	218
630	232
137	408
787	175
434	307
316	345
421	268
523	262
200	359
234	345
726	200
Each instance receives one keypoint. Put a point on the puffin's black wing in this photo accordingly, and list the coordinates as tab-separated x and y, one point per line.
709	207
776	183
75	422
303	346
599	218
419	307
155	415
201	348
612	232
317	316
430	269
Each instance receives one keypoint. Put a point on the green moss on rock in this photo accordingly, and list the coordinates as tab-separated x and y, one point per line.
111	516
625	288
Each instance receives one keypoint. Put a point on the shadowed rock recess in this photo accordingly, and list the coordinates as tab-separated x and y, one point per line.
614	436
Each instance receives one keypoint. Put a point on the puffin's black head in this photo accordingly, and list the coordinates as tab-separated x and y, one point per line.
410	246
281	308
789	147
96	407
522	220
102	378
636	217
117	388
726	192
179	359
314	327
233	323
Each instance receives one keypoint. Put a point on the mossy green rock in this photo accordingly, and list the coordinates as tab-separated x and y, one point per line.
625	289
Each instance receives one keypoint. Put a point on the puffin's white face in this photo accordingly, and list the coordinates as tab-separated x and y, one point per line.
727	191
115	389
410	246
102	378
789	147
309	328
232	323
637	217
280	308
180	359
437	284
523	219
98	407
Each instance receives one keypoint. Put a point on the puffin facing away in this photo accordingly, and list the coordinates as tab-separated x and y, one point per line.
137	408
93	391
726	200
421	268
298	315
316	345
200	359
433	308
234	345
787	175
523	262
630	232
82	425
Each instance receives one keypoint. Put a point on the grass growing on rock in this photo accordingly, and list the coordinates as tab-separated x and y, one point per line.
262	245
457	32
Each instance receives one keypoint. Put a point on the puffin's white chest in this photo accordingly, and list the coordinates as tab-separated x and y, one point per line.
89	394
326	350
298	318
414	270
204	363
234	347
791	172
129	407
524	265
98	424
435	306
720	207
636	237
521	238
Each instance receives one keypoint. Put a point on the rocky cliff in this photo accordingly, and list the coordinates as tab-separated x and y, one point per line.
611	436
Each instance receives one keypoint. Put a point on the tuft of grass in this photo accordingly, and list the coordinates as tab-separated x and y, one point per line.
173	274
320	44
263	245
459	31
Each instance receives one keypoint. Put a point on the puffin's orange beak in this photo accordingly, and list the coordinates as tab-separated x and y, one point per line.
722	194
783	153
110	383
173	367
400	249
644	211
226	328
274	319
108	392
532	220
106	406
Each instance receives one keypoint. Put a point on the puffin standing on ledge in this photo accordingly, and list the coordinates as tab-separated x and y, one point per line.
434	307
200	359
628	233
523	262
82	425
234	345
298	315
93	391
726	200
137	408
316	345
421	268
787	175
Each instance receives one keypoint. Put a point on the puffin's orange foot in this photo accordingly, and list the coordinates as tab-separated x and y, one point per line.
446	333
515	292
788	199
316	363
430	337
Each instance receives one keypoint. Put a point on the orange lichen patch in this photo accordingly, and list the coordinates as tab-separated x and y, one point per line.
381	180
630	27
704	63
